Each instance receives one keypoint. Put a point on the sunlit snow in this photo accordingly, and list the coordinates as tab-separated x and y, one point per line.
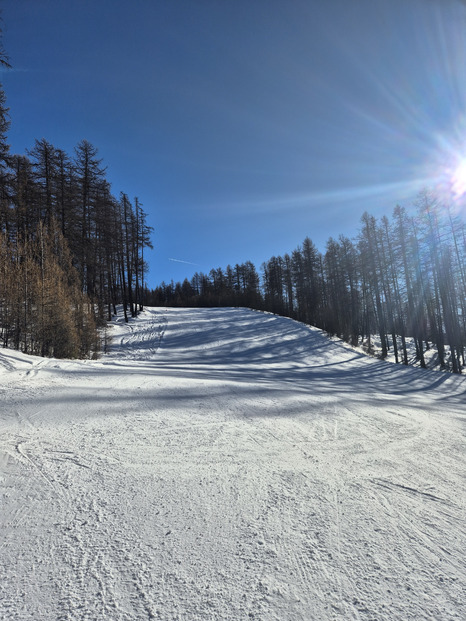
229	464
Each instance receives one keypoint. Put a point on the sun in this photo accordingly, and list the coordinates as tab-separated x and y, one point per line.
458	179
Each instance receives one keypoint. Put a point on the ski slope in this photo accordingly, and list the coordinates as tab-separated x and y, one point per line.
225	464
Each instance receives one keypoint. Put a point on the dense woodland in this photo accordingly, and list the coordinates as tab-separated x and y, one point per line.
69	250
403	277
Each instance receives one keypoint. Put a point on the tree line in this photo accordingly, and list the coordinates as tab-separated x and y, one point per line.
70	251
400	278
235	286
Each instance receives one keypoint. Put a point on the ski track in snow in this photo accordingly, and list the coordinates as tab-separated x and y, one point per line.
225	464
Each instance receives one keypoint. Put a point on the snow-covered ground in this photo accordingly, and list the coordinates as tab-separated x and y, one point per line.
225	464
430	355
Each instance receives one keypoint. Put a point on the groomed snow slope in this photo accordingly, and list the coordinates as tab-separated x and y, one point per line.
228	464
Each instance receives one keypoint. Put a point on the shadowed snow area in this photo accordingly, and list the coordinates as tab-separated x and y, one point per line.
226	464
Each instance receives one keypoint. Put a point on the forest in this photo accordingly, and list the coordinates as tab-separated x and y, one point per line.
69	250
401	278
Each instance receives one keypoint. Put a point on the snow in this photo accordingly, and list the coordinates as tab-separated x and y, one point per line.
226	464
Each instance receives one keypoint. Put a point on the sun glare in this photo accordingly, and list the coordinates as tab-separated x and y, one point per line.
458	180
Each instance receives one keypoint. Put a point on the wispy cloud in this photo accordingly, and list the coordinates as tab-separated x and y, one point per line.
181	261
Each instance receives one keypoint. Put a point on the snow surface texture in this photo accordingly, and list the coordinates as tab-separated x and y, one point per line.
228	464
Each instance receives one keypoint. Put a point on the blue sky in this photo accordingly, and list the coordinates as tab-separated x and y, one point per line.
244	125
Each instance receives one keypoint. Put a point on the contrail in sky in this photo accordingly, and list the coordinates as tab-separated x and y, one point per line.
180	261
